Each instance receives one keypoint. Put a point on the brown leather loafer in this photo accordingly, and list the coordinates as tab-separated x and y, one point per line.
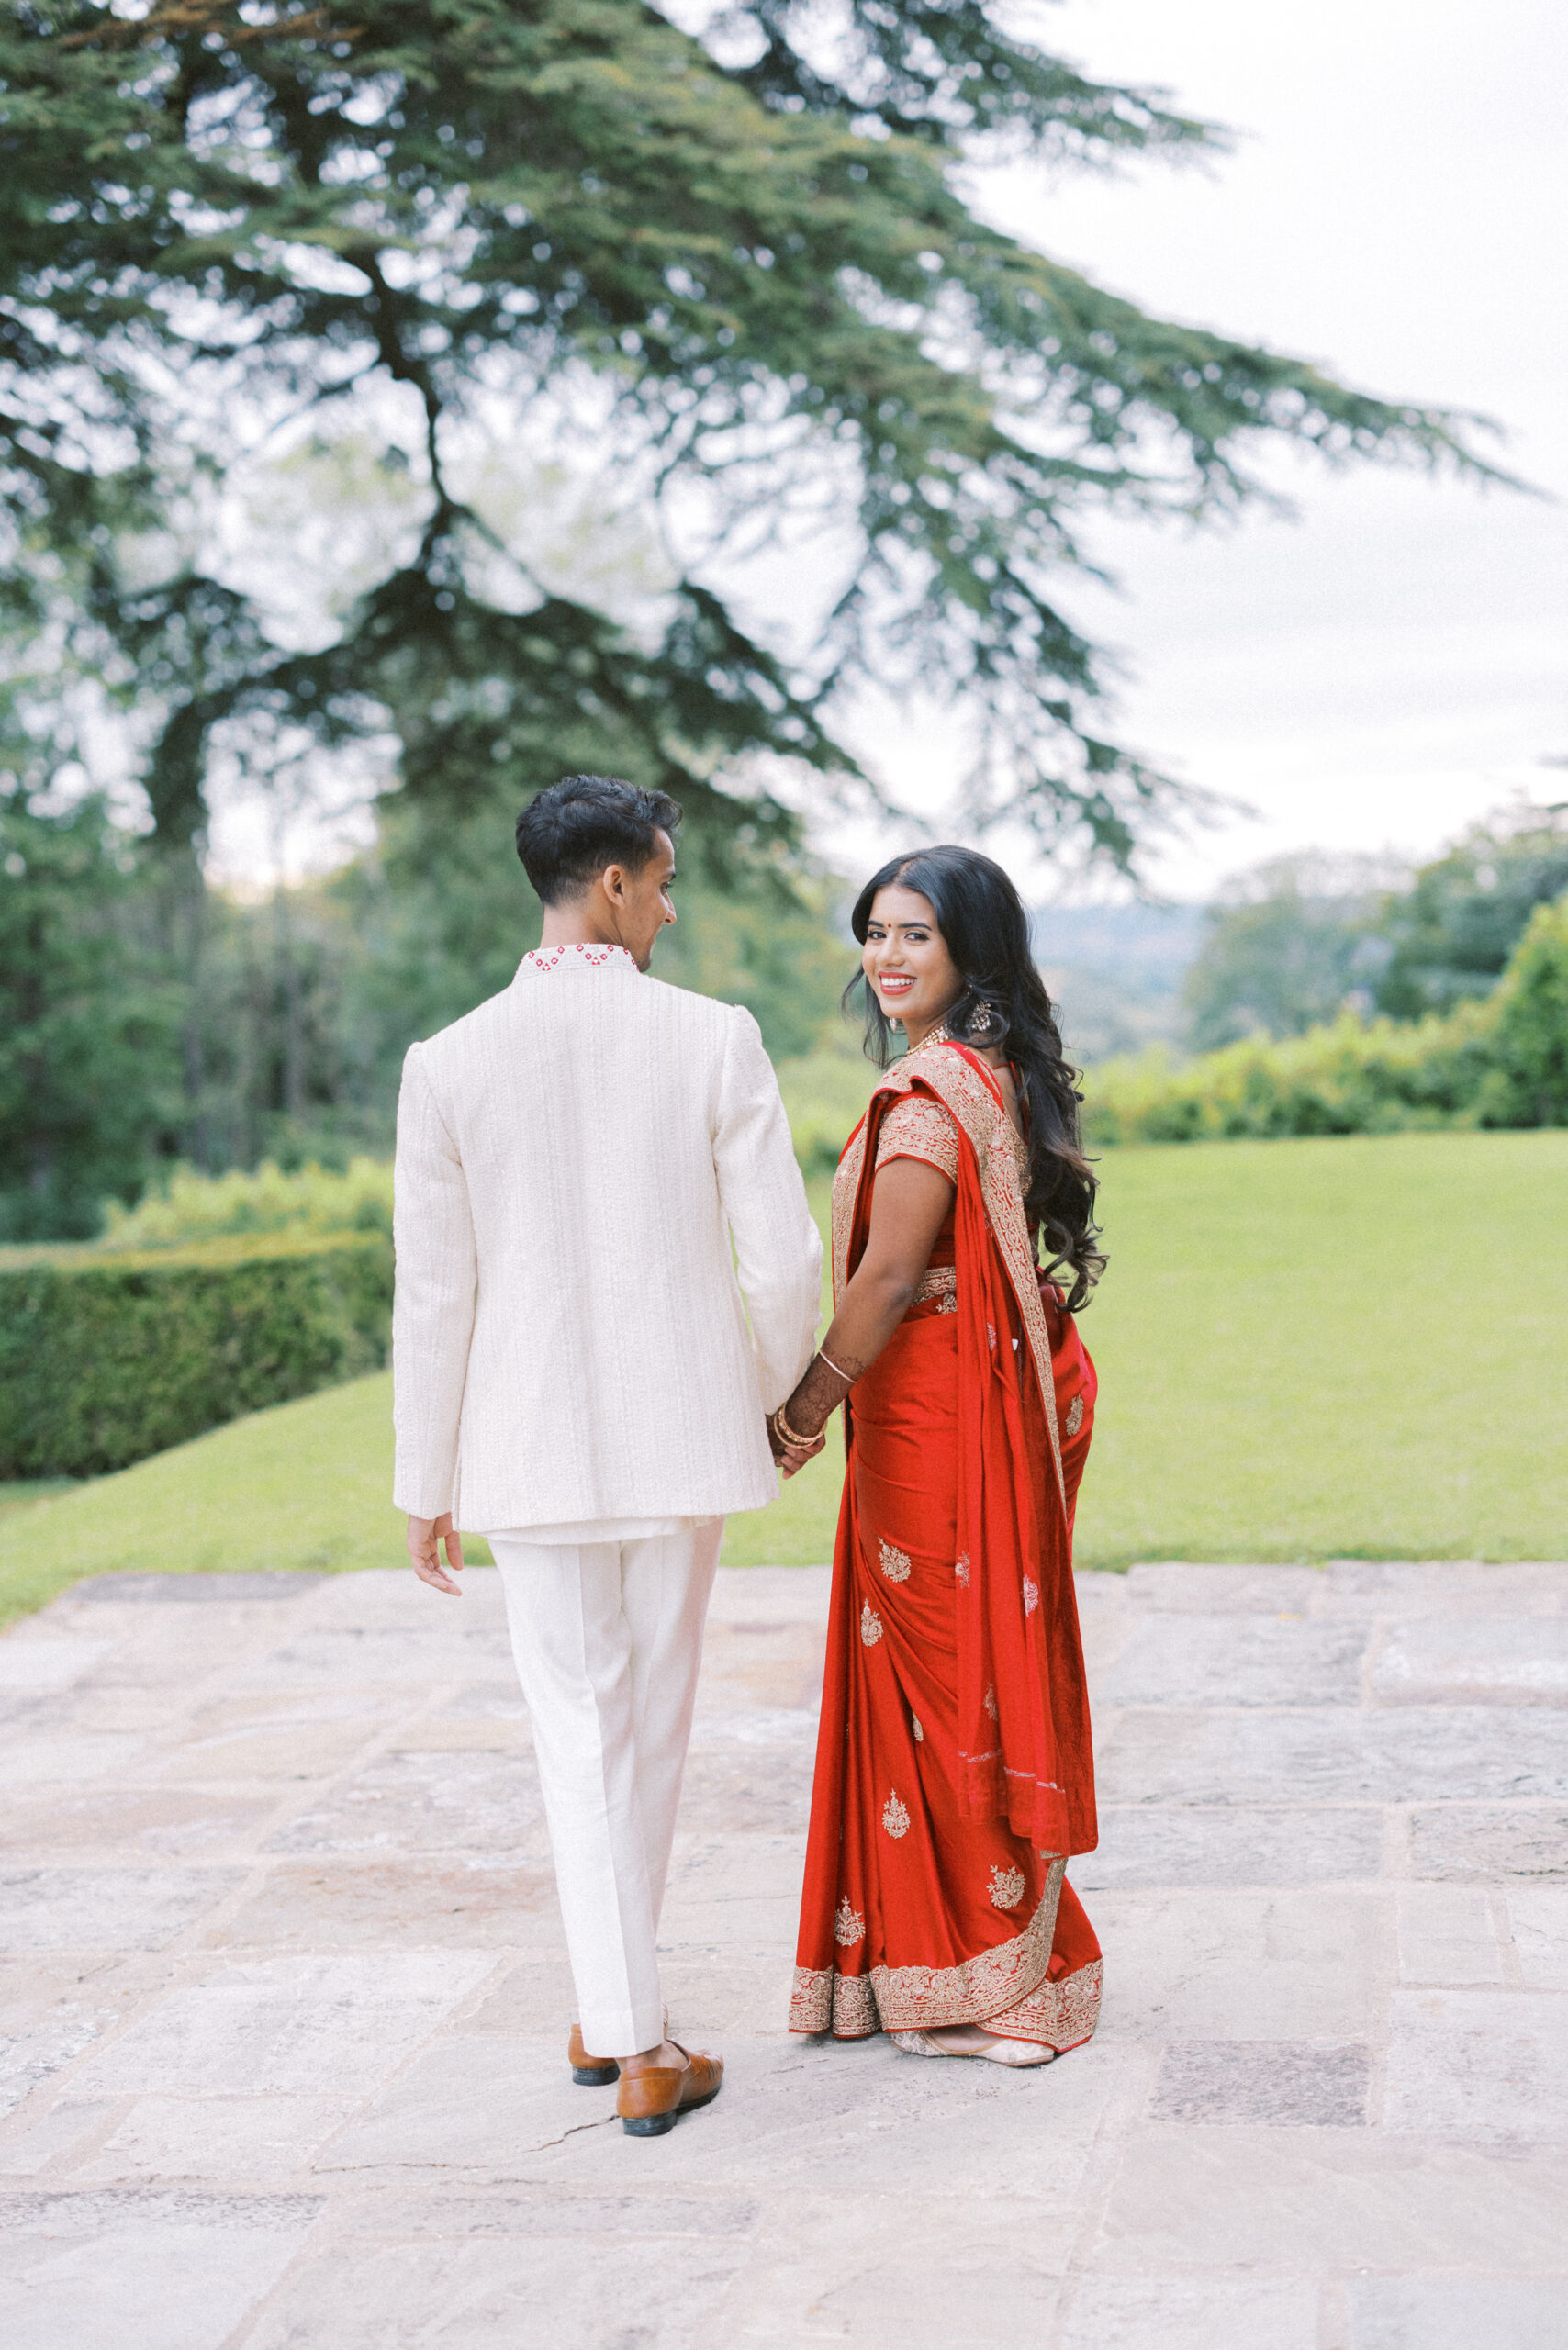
590	2071
650	2102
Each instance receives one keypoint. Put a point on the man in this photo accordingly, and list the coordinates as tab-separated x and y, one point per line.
574	1373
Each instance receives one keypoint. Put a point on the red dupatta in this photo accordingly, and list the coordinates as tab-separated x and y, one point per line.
1024	1737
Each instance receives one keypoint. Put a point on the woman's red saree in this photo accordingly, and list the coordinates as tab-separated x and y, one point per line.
954	1770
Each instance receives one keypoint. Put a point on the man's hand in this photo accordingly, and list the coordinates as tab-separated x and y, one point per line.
425	1538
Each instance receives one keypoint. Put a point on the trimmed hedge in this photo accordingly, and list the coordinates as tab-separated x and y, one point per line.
105	1359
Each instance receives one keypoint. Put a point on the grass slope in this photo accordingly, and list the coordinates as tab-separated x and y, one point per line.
1356	1346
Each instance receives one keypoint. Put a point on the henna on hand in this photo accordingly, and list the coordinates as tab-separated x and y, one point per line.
819	1395
783	1451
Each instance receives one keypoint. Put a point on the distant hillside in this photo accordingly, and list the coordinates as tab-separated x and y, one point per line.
1115	972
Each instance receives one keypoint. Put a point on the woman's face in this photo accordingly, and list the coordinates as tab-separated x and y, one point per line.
905	958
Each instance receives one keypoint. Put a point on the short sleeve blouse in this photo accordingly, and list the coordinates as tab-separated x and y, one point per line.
918	1127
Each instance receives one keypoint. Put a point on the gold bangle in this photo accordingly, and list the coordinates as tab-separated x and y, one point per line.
786	1434
835	1369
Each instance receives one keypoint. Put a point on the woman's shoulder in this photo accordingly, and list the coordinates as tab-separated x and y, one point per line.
936	1052
955	1071
965	1090
916	1127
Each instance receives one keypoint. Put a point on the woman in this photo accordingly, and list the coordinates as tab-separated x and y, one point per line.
954	1770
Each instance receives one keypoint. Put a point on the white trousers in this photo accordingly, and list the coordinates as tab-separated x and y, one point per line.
607	1638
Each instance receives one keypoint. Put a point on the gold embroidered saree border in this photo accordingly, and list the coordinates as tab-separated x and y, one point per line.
1060	2015
1009	1980
937	1281
845	1191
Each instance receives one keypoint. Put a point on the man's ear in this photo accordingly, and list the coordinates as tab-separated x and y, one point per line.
613	881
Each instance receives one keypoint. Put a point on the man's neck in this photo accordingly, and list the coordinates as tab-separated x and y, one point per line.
578	922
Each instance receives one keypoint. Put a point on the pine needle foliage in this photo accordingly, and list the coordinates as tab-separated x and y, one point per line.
214	213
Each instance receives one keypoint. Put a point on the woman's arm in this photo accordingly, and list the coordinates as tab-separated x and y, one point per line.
908	1204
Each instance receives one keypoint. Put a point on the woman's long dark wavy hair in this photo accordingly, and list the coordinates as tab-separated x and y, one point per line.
1004	1003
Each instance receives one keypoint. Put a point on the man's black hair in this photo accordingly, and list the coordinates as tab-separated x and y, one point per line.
585	823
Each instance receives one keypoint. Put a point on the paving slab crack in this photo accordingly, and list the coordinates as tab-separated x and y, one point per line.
575	2130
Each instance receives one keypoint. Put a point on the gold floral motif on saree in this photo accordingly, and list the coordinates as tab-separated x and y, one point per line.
1031	1595
1006	1887
848	1926
991	1703
919	1734
961	1569
870	1624
894	1563
1074	1419
895	1817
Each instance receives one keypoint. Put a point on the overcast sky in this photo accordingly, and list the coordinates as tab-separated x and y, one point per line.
1390	664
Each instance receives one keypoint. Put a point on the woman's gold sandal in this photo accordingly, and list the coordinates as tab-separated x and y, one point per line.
999	2051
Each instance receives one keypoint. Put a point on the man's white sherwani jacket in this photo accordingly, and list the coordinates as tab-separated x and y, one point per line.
569	1340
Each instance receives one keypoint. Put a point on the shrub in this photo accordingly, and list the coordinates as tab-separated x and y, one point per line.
1347	1079
104	1360
1528	1082
201	1207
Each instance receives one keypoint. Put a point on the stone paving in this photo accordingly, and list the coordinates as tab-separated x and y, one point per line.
286	2000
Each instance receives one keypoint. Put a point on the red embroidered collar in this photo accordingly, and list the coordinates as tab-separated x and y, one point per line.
574	958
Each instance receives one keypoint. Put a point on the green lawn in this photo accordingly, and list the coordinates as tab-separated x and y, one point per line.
1348	1348
22	1493
1356	1346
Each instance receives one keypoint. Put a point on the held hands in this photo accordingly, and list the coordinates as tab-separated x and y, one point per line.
425	1538
795	1430
791	1452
